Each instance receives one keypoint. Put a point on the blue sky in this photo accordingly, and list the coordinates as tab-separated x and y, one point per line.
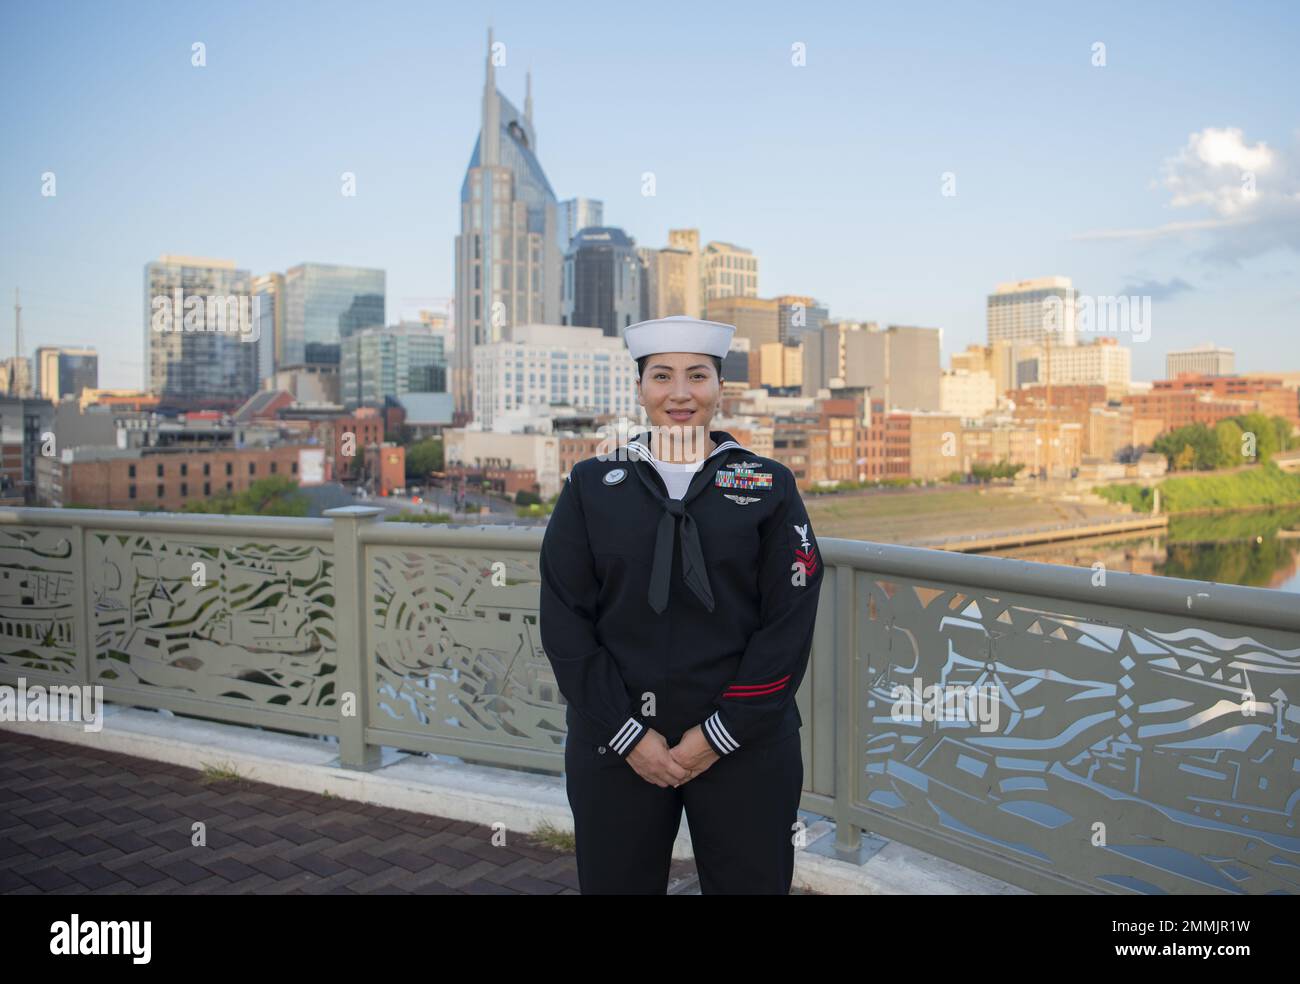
1123	177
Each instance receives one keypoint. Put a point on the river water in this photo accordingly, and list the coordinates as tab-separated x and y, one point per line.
1247	547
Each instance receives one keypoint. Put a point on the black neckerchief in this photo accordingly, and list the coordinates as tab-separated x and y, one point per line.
693	565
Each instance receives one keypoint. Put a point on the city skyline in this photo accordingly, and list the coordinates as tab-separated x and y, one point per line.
1150	213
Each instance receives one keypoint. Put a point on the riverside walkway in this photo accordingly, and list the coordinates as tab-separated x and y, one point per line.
81	821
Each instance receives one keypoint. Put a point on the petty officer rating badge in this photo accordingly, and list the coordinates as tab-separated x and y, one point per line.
742	476
805	560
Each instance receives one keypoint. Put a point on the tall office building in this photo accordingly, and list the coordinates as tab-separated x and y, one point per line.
199	354
780	366
677	284
604	281
755	318
649	257
1102	362
508	257
835	357
900	365
673	276
798	316
727	270
687	239
324	304
678	289
64	372
1027	311
391	361
908	373
1006	361
577	214
1203	360
969	395
740	364
23	426
535	366
268	308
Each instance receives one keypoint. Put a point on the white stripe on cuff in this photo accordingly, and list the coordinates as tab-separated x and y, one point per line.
721	737
626	735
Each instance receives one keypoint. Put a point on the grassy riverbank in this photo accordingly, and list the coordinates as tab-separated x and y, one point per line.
915	516
1266	485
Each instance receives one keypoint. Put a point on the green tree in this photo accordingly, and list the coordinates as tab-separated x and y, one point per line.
424	457
277	495
1227	435
1187	448
419	516
1284	439
1265	433
1202	448
999	469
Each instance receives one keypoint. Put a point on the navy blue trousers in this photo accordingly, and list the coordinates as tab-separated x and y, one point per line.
742	812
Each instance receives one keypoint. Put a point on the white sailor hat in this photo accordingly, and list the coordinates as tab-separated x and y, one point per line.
678	334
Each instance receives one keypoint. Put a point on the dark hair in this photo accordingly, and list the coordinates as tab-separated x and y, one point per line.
640	365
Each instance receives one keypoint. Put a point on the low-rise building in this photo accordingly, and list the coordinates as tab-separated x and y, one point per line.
109	478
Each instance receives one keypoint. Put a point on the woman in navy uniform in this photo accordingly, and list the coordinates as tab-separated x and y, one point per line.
679	589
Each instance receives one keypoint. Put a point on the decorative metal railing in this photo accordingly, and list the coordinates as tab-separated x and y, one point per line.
1093	731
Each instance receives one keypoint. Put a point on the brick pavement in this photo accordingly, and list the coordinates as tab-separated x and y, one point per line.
77	820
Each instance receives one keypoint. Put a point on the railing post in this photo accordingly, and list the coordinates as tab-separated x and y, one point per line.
83	606
848	838
351	616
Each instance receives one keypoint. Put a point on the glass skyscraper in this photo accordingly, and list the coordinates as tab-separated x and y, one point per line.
798	316
604	281
577	214
324	304
508	256
1027	312
381	362
268	312
62	372
197	366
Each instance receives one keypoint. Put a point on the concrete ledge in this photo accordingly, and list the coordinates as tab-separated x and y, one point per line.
446	787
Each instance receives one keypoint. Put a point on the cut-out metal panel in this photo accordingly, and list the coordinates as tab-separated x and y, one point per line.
456	647
1136	751
38	601
216	619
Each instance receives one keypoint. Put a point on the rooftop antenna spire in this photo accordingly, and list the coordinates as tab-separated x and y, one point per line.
14	389
490	152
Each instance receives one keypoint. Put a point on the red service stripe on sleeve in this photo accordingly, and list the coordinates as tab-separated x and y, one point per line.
755	689
756	686
755	693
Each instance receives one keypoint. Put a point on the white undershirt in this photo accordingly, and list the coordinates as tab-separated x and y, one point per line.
677	477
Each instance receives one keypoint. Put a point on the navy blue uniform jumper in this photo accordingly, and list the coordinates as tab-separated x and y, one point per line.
667	614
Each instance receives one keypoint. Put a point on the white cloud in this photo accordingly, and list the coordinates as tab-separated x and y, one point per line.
1152	233
1250	192
1217	169
1220	148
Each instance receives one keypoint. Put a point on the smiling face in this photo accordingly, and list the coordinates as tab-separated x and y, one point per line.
681	392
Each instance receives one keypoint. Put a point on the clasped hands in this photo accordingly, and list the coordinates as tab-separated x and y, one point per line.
655	762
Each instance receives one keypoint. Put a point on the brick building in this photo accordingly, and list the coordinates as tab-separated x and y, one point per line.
385	467
1268	395
106	478
1183	407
